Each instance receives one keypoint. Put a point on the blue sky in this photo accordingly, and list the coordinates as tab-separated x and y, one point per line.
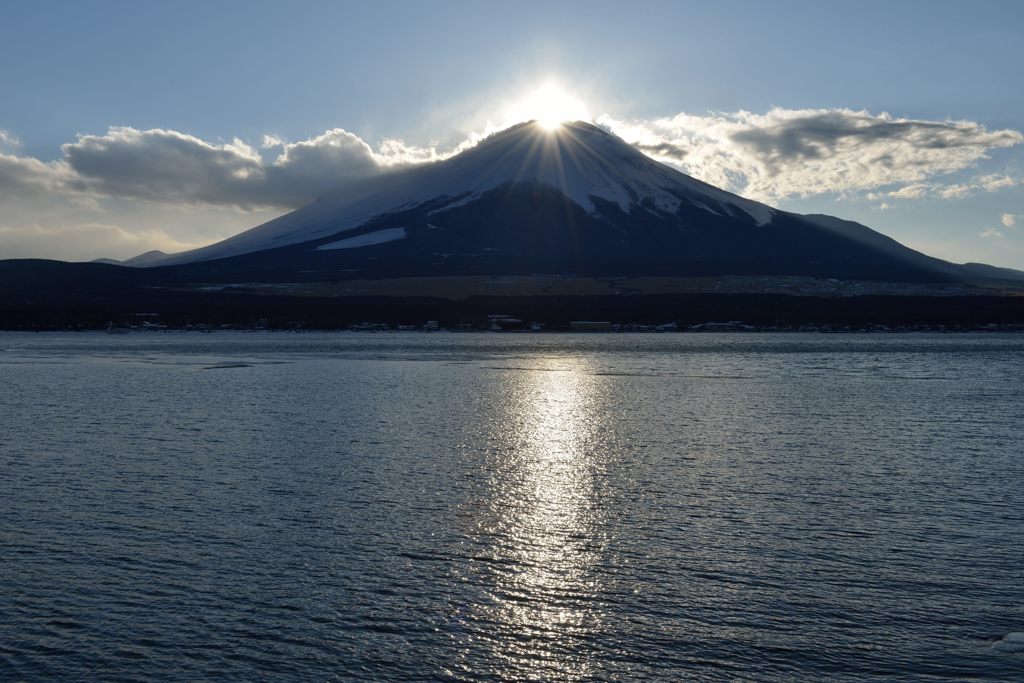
215	78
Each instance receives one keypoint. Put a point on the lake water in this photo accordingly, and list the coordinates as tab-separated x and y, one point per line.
511	506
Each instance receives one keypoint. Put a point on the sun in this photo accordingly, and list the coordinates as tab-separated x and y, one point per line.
550	106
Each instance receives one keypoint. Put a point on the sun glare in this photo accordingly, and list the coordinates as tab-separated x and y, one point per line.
550	106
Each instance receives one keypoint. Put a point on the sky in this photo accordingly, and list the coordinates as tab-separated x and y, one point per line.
129	126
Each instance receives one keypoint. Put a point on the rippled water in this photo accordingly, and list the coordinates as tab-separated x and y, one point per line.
511	507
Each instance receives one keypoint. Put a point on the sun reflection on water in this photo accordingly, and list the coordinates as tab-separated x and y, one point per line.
542	530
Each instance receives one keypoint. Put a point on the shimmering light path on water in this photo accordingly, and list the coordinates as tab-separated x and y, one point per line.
511	507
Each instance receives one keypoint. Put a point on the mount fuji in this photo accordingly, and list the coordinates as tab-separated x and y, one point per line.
573	201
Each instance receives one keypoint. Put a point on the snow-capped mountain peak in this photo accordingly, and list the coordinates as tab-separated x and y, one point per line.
585	163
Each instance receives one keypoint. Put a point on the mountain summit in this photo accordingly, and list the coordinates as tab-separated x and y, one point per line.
576	200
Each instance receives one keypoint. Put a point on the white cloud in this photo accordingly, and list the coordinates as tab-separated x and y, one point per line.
987	183
8	140
271	141
311	168
997	181
915	191
957	191
394	152
1009	220
990	233
787	153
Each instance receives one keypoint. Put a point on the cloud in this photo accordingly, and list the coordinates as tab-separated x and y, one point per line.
990	233
1009	220
957	191
272	141
168	166
311	168
787	153
163	165
997	181
987	183
771	156
8	140
26	176
915	191
84	241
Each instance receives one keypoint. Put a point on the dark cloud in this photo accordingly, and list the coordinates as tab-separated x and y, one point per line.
665	150
25	176
169	166
817	134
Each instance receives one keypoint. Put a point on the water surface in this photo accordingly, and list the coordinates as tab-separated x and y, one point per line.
511	506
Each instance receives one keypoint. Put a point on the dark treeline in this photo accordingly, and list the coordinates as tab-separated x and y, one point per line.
52	295
180	309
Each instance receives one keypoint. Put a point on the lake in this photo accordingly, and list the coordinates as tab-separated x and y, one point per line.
472	506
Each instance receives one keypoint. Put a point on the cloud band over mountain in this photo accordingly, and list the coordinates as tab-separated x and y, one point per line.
763	156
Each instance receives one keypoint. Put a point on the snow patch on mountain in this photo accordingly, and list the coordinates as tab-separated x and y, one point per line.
367	239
